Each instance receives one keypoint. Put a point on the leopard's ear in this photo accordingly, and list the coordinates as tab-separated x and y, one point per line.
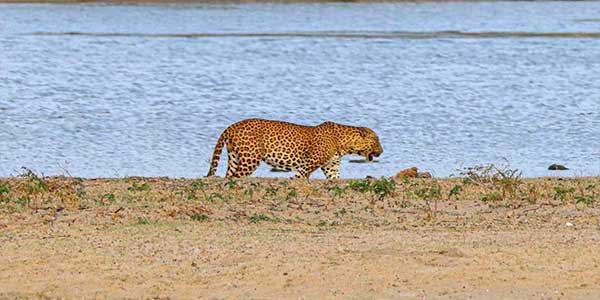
363	131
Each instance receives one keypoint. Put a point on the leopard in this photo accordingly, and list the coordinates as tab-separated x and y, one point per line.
292	147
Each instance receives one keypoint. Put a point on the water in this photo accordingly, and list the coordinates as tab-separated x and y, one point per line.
102	90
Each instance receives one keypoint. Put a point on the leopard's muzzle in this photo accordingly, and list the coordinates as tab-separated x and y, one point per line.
372	155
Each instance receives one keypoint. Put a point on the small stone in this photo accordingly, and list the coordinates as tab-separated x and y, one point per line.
556	167
569	224
407	173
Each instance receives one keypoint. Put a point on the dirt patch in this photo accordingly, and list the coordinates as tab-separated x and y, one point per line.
140	238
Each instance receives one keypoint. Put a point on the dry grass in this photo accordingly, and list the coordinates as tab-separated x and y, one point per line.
487	234
316	202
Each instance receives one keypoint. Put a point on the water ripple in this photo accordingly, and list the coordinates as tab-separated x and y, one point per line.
443	84
450	34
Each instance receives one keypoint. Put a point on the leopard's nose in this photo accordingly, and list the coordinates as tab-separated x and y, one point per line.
372	155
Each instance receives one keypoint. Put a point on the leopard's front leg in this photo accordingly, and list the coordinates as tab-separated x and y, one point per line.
332	168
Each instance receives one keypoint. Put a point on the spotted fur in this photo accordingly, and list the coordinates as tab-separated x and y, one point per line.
294	147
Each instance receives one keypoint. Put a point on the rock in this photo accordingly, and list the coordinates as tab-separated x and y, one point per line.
424	175
407	173
556	167
412	173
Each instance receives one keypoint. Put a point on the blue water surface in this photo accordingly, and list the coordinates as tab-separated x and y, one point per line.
113	90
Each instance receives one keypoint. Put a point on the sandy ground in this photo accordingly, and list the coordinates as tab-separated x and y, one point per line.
302	245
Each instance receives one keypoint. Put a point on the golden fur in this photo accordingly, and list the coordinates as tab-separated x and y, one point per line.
290	146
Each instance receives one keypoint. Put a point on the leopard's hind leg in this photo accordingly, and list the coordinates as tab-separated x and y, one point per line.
247	165
232	164
233	160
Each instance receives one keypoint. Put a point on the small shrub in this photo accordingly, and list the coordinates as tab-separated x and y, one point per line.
588	200
291	194
587	195
271	191
337	191
191	195
361	186
143	221
340	212
480	174
249	192
429	193
139	187
502	176
198	185
4	192
199	217
33	186
455	191
508	180
383	188
79	189
108	198
533	193
561	193
214	195
257	217
231	184
494	196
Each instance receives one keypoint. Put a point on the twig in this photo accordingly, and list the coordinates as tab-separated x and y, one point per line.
534	208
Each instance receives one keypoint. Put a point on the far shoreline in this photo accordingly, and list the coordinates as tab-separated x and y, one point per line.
151	2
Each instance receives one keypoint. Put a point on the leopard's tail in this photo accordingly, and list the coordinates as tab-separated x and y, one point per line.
217	154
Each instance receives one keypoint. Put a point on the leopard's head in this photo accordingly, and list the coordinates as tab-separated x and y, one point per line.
365	143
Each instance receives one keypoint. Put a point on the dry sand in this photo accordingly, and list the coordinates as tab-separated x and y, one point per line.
279	239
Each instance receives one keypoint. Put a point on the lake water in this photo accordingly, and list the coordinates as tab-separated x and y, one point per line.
105	90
